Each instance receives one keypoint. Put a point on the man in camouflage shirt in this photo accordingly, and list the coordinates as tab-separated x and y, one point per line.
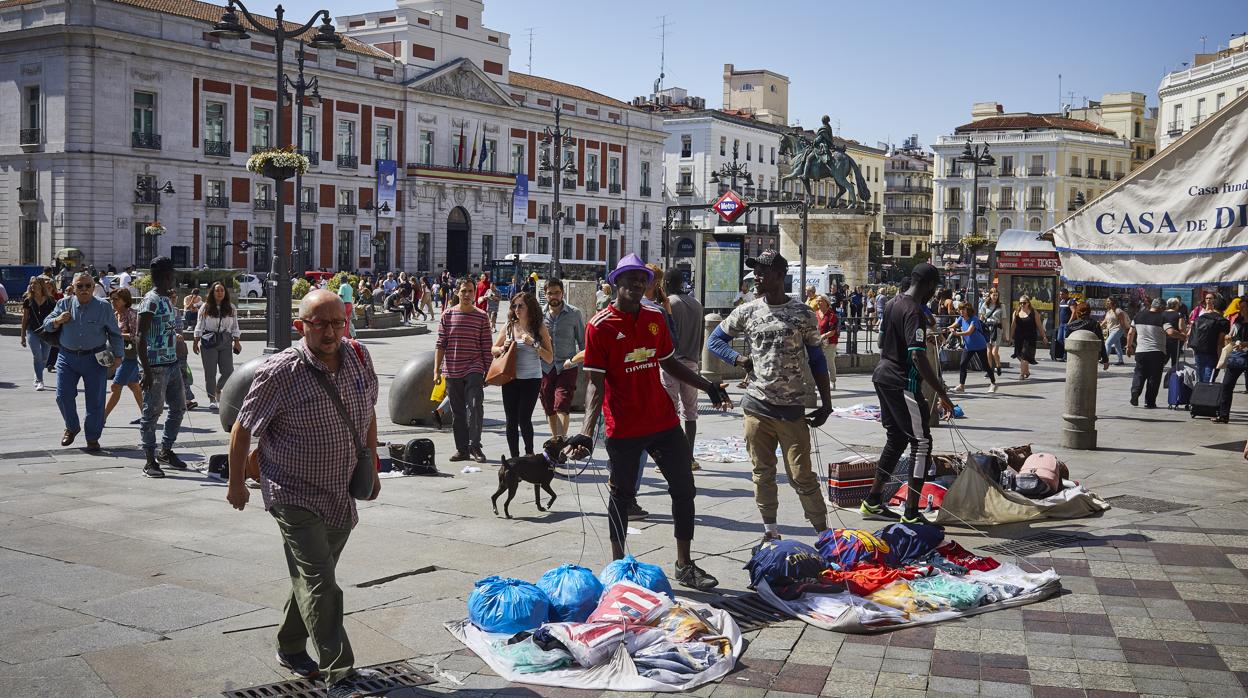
783	335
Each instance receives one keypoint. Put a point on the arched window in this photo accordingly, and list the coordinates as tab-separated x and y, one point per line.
684	248
954	234
981	225
1006	223
1034	224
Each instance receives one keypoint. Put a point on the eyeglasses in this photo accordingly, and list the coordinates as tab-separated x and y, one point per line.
84	287
322	324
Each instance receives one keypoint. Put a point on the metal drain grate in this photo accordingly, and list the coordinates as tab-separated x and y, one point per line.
1034	544
394	675
1147	505
751	612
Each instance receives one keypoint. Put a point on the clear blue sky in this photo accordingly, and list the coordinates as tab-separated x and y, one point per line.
884	69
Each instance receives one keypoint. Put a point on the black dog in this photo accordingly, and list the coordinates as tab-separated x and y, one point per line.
538	469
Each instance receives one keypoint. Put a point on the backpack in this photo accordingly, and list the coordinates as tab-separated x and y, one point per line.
1205	332
416	457
1040	476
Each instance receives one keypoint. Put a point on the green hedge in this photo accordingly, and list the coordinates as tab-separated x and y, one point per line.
299	289
336	281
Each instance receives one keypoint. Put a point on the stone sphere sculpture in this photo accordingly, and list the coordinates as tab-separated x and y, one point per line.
409	393
235	389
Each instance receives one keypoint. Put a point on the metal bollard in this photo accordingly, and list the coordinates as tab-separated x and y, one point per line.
1083	354
712	366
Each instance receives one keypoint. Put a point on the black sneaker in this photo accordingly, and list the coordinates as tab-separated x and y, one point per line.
636	513
917	518
152	469
169	458
877	512
299	664
695	577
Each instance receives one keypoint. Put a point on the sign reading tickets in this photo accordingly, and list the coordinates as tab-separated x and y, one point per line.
1180	220
520	200
387	187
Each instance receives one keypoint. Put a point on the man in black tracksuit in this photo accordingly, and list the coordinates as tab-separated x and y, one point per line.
904	412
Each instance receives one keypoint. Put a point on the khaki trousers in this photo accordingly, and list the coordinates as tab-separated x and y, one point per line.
762	435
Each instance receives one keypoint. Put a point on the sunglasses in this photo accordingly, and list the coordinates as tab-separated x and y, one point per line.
84	287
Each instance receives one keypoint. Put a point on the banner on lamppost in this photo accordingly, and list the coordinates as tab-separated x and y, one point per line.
520	200
387	187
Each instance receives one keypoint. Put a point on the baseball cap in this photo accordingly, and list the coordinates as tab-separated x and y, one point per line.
630	262
925	272
768	258
1156	304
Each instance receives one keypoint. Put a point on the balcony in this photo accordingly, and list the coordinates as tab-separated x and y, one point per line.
913	189
217	202
145	140
569	183
1005	172
1104	174
1035	205
953	174
543	220
1076	172
545	182
1118	176
1174	128
29	137
953	205
908	211
613	188
684	190
1005	205
592	222
314	158
645	225
217	149
645	192
348	162
147	197
308	207
591	186
263	204
1036	172
752	228
26	195
773	194
260	148
821	200
774	228
346	209
749	192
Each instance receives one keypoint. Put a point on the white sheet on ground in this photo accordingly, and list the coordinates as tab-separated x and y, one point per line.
974	499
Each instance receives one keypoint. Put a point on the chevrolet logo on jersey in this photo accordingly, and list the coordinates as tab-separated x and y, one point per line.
639	354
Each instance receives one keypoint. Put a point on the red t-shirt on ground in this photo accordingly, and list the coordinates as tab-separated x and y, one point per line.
627	349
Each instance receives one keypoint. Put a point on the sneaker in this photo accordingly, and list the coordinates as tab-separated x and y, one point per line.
769	536
253	483
213	406
992	388
299	664
152	470
877	512
916	519
38	386
636	513
960	389
457	456
191	404
695	577
169	458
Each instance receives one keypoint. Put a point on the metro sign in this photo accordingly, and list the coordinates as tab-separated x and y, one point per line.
729	206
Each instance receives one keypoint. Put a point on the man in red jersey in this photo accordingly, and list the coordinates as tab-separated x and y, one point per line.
625	344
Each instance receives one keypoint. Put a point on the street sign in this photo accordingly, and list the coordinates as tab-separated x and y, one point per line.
729	206
731	230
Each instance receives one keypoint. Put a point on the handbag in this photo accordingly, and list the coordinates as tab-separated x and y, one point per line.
50	337
503	367
361	486
1237	360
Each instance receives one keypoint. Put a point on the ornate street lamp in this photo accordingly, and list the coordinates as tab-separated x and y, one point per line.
378	240
149	192
558	168
731	172
326	38
977	157
300	87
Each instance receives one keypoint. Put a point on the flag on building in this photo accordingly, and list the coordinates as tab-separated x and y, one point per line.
472	157
459	156
485	148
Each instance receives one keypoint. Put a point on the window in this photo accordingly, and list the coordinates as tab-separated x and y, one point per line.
736	145
260	256
517	158
517	244
591	169
1037	165
645	250
613	172
686	179
423	246
773	153
261	128
1200	110
382	143
686	146
264	191
1178	116
591	247
543	245
645	176
306	249
569	216
215	247
1035	224
905	248
1007	164
749	150
307	197
307	133
1239	91
214	122
487	249
1007	198
543	213
346	197
955	198
723	145
888	248
30	241
144	112
1035	197
1135	131
491	155
426	157
567	248
1006	223
216	193
345	238
346	138
30	115
747	87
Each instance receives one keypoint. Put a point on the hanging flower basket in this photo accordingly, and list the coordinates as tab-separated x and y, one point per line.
155	228
278	164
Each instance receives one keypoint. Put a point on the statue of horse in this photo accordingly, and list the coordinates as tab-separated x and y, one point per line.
813	161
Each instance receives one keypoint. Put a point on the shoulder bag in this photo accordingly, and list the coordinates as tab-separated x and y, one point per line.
52	337
361	486
503	367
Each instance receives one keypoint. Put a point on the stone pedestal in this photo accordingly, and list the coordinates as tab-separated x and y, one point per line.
833	237
1082	356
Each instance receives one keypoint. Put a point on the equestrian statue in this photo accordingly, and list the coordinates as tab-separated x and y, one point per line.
824	158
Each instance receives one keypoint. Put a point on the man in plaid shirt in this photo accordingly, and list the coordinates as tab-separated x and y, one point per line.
307	454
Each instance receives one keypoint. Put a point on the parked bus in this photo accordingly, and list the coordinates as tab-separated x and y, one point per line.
504	271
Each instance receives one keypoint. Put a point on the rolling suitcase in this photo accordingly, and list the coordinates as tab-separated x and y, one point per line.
1178	394
1205	398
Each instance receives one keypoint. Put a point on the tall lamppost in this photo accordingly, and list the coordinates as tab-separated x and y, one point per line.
736	169
149	192
976	157
557	168
377	240
300	87
611	227
278	313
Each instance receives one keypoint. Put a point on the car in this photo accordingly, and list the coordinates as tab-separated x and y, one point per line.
249	286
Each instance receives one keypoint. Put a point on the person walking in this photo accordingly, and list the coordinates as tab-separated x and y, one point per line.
687	318
491	304
217	340
1176	318
830	331
992	314
1236	365
1115	327
162	377
526	335
898	378
1026	329
1081	319
127	374
88	328
1209	332
462	356
625	345
347	294
426	298
1057	349
974	346
483	290
37	305
1147	343
566	326
783	336
368	301
307	453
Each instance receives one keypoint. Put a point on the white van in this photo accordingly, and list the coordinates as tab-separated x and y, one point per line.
823	277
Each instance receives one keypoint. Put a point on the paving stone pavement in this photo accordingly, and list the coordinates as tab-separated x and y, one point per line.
115	585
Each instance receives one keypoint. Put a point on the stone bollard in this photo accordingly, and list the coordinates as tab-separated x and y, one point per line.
712	366
1083	355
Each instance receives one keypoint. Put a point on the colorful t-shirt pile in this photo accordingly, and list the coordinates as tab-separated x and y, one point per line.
899	574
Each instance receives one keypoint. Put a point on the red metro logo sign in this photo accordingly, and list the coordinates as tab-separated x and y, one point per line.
729	206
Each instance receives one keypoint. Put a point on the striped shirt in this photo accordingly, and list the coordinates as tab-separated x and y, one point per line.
307	453
465	340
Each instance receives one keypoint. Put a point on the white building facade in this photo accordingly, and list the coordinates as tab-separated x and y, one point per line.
907	204
95	96
1192	95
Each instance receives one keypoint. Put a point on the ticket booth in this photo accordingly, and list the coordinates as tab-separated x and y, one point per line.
1022	264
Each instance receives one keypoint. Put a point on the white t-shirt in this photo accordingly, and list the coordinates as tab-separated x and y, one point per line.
123	281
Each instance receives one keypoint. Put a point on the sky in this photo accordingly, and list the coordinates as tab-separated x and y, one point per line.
882	70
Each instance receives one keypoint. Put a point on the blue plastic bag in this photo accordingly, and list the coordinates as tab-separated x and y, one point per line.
573	592
639	573
499	605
